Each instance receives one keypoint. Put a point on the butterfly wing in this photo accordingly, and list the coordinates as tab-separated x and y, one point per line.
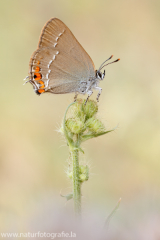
60	60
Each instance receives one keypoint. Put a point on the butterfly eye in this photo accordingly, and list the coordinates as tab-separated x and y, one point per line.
103	75
99	75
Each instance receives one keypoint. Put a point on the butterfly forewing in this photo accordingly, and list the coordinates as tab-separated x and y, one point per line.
62	61
56	33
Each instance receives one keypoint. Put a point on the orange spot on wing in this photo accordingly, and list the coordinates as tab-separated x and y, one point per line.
37	76
37	69
41	90
42	84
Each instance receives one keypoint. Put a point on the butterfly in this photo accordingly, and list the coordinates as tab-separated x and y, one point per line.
61	65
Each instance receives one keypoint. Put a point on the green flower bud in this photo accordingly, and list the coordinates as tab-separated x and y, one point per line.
84	173
90	109
95	125
83	169
82	177
76	126
70	175
77	110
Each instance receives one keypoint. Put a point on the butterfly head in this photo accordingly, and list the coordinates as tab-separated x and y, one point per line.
100	75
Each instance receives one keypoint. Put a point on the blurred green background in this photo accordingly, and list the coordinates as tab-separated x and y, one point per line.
34	155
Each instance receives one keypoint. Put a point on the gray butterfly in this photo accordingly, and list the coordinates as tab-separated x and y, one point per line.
61	65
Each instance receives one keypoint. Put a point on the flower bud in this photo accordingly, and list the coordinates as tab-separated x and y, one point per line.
76	126
70	175
84	173
95	125
90	109
77	110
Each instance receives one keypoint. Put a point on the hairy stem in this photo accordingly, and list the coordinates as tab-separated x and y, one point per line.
74	150
81	125
76	181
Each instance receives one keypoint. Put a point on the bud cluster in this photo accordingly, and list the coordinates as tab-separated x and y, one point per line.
83	173
83	120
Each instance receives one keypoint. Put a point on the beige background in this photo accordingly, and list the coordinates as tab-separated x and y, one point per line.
125	163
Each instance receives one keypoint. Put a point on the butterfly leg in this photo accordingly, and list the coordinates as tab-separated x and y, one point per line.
98	95
89	94
75	97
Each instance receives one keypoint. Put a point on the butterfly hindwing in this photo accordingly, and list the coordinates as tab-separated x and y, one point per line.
60	59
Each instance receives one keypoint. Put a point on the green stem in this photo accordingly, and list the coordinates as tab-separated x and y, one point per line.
79	126
74	149
76	181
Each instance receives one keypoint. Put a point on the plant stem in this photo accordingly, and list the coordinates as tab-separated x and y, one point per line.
76	182
81	125
74	150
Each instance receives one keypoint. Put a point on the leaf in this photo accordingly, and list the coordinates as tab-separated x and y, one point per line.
93	135
68	196
111	214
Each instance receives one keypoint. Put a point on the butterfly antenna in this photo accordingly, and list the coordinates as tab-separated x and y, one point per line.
109	63
105	61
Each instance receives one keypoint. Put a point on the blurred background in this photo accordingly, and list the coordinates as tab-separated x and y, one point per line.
33	154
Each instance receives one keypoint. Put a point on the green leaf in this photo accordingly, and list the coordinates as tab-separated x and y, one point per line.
68	196
93	135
